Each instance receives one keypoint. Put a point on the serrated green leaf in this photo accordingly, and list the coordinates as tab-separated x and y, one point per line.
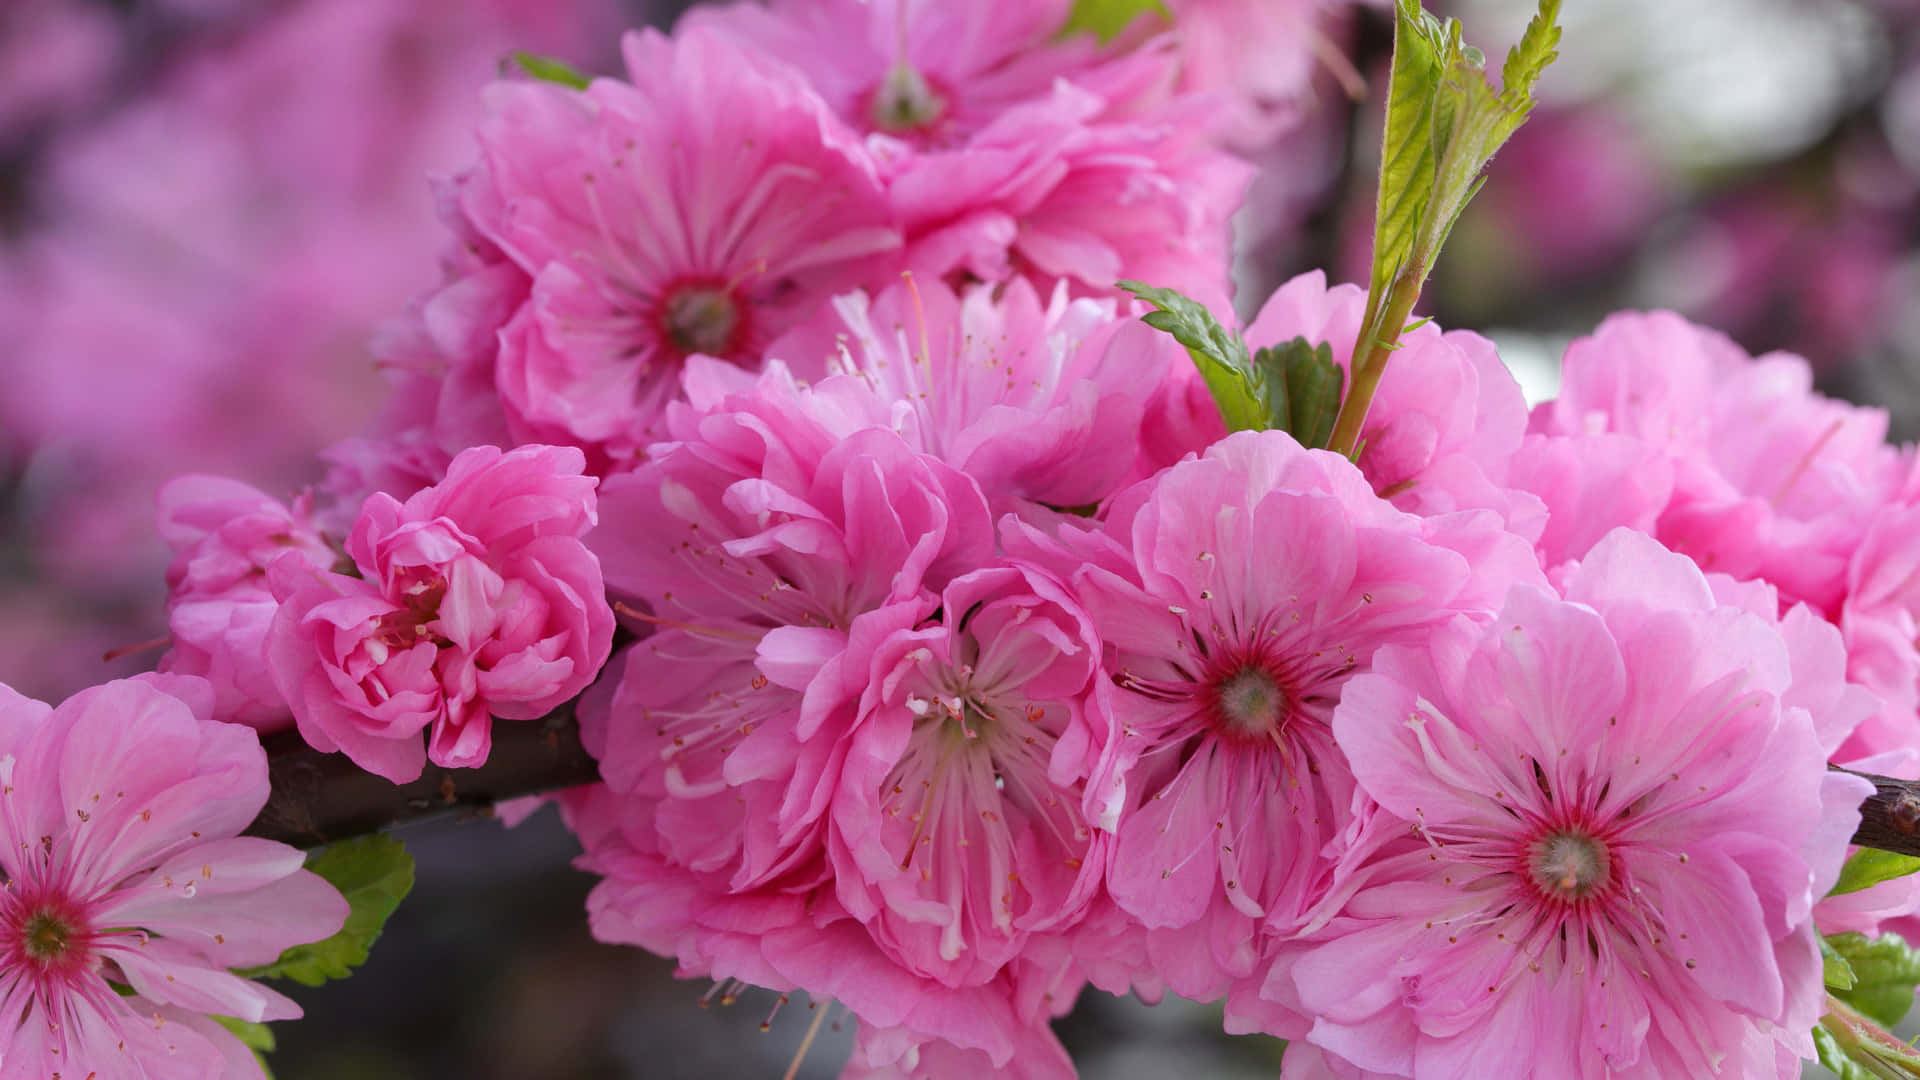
1871	866
1526	61
1885	971
1104	19
547	69
1236	385
254	1036
1834	967
1444	122
1304	389
374	873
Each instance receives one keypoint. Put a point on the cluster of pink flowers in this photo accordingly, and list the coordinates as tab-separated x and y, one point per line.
967	660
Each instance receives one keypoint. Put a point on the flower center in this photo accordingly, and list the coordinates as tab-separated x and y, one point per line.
1250	703
905	103
702	320
46	937
1569	866
419	605
45	933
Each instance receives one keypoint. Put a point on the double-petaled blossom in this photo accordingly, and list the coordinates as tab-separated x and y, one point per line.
224	535
1769	479
958	831
1013	150
129	892
1243	590
831	765
1604	819
701	208
474	599
1034	400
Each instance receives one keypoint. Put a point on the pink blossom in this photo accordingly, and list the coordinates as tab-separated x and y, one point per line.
759	745
1770	479
475	599
224	535
930	74
775	549
1605	822
1256	580
119	840
957	826
1040	402
702	208
1060	189
1881	619
1010	150
1256	60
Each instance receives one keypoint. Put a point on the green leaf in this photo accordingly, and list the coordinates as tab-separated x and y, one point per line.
1104	19
1834	967
547	69
1444	122
1885	971
1305	389
1871	866
374	873
255	1037
1238	388
1293	387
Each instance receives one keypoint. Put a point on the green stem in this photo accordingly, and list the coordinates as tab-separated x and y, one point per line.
1375	345
1867	1044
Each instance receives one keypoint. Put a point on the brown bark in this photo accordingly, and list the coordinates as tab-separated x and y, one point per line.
318	798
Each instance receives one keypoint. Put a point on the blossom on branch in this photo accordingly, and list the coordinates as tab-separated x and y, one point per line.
474	599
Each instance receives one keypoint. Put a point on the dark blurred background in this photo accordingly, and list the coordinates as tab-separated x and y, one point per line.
208	206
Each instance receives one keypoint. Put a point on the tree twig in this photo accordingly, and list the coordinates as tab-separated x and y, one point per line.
1890	818
319	798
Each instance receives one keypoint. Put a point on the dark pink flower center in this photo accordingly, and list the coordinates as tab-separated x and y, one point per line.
703	317
1248	699
1569	866
1249	704
45	933
419	605
906	103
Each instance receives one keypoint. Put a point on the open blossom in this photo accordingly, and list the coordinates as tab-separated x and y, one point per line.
1256	580
224	535
1770	480
1059	190
776	548
1256	58
927	73
1034	400
119	823
958	828
1011	151
1608	818
702	208
475	599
